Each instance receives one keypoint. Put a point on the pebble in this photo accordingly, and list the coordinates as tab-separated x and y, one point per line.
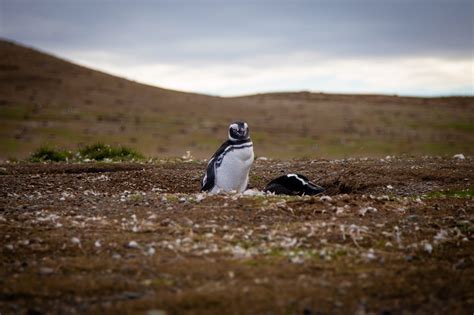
46	271
428	247
75	240
363	211
325	198
133	244
151	251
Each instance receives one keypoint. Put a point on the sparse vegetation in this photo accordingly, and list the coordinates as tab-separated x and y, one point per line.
466	193
94	152
168	123
101	152
49	154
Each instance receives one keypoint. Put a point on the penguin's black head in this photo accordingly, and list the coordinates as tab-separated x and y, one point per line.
238	130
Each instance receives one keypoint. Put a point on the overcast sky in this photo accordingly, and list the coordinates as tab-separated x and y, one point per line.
240	46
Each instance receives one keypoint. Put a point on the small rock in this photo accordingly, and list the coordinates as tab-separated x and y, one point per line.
370	255
46	270
441	236
200	197
133	244
165	222
75	240
325	198
459	156
339	210
428	247
151	251
297	260
363	211
253	192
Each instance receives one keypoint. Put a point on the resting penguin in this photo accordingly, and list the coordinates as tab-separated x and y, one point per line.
228	169
293	184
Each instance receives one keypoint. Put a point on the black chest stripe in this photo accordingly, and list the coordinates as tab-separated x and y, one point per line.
230	149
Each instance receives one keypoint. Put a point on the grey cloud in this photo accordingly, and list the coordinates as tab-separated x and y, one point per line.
177	31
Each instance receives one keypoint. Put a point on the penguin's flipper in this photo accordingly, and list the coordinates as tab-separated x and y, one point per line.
209	179
313	189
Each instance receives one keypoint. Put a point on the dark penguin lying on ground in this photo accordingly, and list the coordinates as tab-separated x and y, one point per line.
293	184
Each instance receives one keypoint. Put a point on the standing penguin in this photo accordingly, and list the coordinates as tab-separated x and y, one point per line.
228	169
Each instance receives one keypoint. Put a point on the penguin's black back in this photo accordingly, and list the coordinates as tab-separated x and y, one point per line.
293	184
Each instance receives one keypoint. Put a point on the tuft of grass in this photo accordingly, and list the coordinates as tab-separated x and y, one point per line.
467	193
100	152
95	152
48	154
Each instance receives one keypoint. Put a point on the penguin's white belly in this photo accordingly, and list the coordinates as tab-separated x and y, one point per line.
233	173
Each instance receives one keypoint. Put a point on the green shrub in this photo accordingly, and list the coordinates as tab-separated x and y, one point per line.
45	153
95	152
100	152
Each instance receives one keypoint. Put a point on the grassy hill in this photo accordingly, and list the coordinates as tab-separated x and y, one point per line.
47	100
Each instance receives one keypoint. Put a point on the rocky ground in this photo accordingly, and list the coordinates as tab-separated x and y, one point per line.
390	236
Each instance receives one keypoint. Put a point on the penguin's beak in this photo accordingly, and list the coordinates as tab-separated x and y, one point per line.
241	132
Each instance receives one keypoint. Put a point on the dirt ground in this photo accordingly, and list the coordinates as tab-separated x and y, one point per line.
391	236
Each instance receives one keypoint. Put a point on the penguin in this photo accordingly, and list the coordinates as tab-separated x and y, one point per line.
228	169
293	184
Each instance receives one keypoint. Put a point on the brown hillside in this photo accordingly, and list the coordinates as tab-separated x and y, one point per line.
46	100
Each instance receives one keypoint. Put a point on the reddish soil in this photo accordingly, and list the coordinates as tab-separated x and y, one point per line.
393	236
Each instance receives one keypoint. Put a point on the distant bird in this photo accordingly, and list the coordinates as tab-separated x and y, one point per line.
293	184
228	169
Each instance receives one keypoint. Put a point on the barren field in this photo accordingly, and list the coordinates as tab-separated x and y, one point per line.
391	236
